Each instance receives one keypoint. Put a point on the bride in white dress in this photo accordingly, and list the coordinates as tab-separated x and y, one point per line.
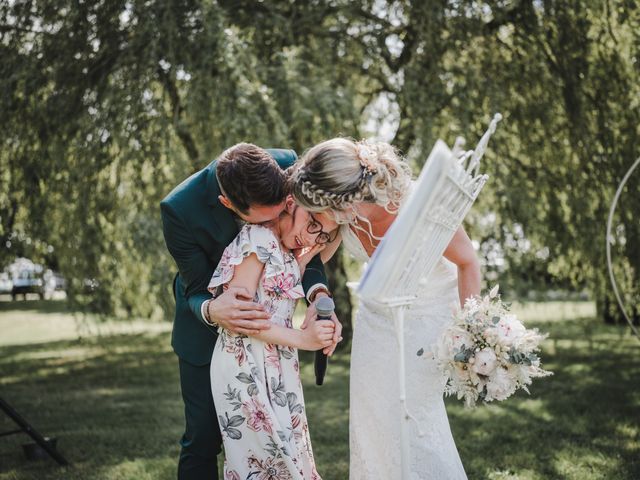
356	189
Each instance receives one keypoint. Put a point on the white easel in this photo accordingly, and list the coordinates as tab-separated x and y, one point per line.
446	188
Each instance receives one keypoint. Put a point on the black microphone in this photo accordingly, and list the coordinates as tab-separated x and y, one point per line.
324	307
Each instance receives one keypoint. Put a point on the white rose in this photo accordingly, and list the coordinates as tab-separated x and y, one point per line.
500	385
509	328
485	362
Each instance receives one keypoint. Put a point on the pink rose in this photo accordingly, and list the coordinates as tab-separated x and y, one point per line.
269	469
284	286
236	346
509	328
257	418
272	357
231	475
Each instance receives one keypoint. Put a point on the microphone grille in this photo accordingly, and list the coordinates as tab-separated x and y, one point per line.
325	306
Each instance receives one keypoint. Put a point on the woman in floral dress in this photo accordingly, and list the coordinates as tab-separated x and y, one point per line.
257	390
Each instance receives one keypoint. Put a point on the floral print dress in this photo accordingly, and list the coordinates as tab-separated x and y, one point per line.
256	386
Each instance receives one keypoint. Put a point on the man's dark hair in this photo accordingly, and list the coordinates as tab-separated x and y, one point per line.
249	176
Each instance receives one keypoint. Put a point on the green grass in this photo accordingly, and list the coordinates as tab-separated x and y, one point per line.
113	401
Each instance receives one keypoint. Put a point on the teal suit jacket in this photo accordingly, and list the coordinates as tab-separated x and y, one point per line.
197	228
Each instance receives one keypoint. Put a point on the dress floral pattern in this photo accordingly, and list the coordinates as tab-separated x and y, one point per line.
256	386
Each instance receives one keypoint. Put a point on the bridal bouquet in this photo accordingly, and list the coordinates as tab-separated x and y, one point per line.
487	353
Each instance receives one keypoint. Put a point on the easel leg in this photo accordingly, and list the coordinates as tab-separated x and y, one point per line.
32	432
398	317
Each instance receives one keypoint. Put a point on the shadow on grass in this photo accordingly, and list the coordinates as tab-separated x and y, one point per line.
108	400
328	413
114	403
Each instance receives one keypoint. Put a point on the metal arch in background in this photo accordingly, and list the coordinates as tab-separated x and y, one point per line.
609	240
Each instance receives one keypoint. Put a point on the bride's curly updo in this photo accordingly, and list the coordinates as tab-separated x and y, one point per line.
337	173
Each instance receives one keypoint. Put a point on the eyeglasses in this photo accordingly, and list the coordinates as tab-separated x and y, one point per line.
315	228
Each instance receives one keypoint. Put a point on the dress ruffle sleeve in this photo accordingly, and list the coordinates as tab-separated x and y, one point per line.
263	242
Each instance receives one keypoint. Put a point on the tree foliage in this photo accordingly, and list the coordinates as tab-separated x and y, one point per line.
564	75
107	105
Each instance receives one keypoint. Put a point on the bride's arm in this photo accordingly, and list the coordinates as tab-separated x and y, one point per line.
460	251
319	335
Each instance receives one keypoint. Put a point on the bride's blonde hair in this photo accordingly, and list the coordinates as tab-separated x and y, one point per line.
337	173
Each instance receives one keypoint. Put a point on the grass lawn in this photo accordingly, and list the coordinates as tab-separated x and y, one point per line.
113	401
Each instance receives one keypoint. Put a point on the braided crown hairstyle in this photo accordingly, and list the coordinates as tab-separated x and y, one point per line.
337	173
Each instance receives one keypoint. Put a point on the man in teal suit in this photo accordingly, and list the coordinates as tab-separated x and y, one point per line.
201	216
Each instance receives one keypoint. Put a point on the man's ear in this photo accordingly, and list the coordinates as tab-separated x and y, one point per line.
289	203
225	201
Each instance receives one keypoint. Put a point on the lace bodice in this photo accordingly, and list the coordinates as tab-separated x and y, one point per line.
441	280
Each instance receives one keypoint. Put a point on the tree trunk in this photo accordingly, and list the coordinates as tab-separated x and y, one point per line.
607	309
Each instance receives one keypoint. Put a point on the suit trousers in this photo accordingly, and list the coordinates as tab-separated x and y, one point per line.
202	441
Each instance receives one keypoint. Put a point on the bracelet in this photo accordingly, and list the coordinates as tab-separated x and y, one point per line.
314	294
206	312
208	317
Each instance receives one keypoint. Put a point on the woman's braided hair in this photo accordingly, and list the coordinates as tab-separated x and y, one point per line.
337	173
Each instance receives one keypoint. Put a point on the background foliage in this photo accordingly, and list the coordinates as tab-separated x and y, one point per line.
107	105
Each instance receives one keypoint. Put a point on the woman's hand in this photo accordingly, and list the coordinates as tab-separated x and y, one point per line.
318	335
310	318
304	255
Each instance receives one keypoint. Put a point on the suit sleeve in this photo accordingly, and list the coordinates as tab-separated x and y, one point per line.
314	274
193	264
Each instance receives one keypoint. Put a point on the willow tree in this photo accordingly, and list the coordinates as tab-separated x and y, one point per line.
564	75
108	105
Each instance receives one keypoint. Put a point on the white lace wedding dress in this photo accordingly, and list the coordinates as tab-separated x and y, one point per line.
374	425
